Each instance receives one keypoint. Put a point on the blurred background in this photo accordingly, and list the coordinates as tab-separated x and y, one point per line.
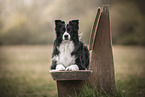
32	22
27	34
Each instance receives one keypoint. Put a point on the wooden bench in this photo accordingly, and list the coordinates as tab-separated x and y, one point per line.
70	82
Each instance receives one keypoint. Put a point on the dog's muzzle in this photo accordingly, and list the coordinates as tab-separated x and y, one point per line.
66	36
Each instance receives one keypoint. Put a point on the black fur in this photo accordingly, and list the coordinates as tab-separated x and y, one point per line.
81	52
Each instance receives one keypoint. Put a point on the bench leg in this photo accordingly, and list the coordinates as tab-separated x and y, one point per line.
69	88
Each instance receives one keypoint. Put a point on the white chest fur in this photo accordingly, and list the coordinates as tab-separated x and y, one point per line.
64	56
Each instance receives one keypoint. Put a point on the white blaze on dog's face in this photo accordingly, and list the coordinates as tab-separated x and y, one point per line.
66	35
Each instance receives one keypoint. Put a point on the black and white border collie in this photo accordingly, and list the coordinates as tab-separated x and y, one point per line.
68	52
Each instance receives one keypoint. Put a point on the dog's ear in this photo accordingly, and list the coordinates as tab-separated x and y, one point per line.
74	23
58	24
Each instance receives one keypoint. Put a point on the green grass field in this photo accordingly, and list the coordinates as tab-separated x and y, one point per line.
24	71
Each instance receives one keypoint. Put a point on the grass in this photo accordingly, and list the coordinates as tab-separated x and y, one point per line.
130	70
24	72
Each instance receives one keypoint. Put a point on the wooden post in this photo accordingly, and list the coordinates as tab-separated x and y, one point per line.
102	77
69	88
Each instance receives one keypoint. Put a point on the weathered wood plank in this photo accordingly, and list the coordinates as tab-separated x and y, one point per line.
71	75
102	64
93	32
69	88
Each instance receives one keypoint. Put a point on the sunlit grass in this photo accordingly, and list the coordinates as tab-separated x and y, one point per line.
24	71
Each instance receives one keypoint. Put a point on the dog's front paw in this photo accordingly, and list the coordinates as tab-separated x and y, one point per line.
60	67
72	68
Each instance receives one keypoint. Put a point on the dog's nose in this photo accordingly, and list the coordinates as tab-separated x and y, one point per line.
66	37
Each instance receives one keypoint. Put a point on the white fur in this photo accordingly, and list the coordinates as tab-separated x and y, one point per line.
55	58
80	36
64	56
64	35
72	67
60	67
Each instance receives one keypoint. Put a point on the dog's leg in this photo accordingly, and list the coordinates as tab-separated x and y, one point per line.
72	68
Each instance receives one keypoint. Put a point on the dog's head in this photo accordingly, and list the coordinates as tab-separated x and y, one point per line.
66	32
